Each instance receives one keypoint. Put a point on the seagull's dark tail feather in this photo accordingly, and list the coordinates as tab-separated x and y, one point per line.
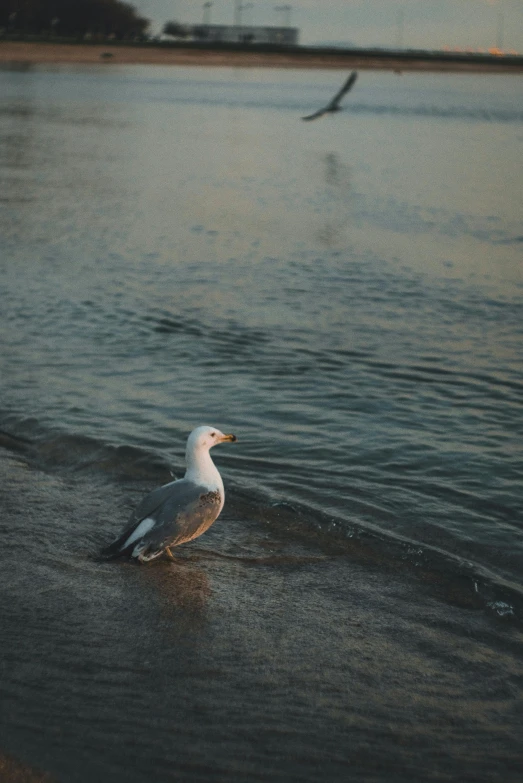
139	552
117	549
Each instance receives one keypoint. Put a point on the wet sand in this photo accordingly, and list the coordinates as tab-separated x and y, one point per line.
256	656
12	771
50	53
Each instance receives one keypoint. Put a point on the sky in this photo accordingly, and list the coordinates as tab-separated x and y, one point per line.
425	24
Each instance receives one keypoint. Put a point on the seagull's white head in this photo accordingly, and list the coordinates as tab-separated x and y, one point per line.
204	438
200	467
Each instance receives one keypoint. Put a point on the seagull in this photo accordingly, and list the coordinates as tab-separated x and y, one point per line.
334	104
179	511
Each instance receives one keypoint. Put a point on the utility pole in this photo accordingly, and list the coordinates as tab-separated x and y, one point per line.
400	28
239	8
285	10
237	13
247	7
207	13
501	30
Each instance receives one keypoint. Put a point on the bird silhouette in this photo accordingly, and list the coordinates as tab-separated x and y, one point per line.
334	104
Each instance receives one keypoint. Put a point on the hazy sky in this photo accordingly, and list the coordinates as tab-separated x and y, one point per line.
427	23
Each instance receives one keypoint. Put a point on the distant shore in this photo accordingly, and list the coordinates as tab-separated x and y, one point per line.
17	53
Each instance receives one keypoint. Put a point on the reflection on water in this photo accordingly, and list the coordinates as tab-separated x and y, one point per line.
182	587
333	230
337	173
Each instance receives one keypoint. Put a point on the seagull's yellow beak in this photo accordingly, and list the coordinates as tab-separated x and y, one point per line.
231	438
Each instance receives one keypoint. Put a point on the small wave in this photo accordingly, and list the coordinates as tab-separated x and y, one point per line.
266	100
448	113
69	452
459	581
172	325
227	339
23	111
510	241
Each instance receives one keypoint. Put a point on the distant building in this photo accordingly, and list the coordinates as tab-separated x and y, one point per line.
221	33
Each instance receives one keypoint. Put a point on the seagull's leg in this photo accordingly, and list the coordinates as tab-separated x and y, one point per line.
169	553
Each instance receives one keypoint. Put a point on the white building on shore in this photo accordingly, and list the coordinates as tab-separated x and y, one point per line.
221	33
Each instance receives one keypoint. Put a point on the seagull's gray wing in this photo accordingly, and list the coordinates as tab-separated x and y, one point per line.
349	83
155	499
168	516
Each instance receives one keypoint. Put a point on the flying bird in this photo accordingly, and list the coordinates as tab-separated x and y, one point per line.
334	104
179	511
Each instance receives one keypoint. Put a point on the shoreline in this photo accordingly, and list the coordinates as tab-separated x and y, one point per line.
18	53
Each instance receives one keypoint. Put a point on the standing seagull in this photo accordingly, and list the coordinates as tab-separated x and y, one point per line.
334	104
177	512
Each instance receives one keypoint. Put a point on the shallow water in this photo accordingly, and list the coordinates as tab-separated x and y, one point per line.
259	656
177	248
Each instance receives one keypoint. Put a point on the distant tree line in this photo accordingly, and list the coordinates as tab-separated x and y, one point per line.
77	18
176	29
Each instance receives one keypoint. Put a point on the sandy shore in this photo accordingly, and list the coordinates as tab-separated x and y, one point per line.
22	52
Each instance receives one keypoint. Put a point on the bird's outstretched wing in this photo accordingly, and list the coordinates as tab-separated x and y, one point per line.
316	114
344	90
333	104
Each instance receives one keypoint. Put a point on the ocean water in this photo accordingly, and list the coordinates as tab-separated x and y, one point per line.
177	247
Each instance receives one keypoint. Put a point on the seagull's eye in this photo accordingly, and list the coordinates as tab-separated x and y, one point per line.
213	434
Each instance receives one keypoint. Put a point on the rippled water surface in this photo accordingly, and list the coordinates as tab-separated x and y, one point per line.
177	248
